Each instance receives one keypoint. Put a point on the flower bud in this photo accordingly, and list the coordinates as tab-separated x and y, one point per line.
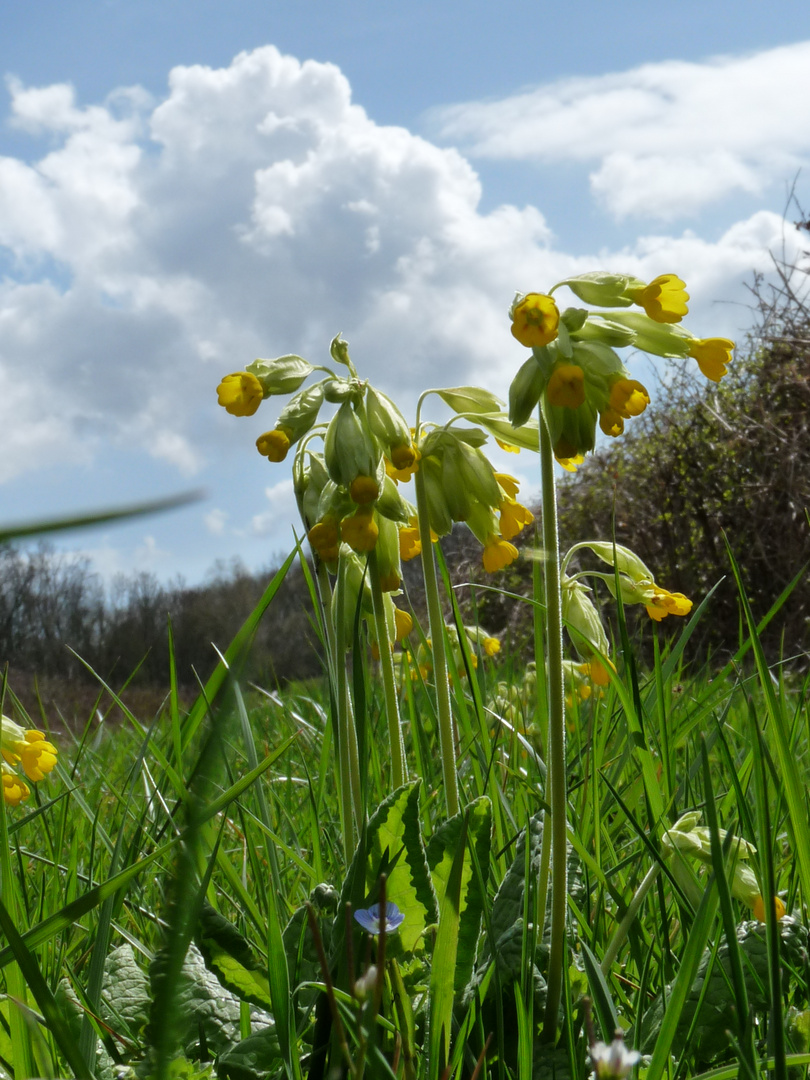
388	559
525	391
349	447
580	614
339	351
606	331
391	504
470	399
388	426
601	288
281	376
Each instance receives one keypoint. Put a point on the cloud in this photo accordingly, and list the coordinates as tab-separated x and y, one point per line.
256	210
667	138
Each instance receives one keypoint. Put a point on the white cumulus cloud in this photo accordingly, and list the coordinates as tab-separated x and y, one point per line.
662	139
150	247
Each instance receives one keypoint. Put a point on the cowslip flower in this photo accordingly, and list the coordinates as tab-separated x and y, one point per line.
15	790
566	386
513	518
240	393
712	355
360	531
627	398
664	299
661	603
498	553
371	918
779	909
409	543
274	444
535	320
30	748
324	536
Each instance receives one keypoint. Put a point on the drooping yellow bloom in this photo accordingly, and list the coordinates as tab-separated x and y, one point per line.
570	463
507	447
390	582
779	909
498	553
712	355
508	484
535	320
664	299
611	423
240	393
274	444
491	645
360	531
325	538
403	624
15	790
566	387
31	748
663	603
628	397
364	490
514	518
596	671
409	543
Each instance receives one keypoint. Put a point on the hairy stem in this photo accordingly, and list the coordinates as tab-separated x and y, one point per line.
555	779
436	624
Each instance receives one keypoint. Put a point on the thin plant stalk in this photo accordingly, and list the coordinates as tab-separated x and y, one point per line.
349	769
384	644
440	672
555	779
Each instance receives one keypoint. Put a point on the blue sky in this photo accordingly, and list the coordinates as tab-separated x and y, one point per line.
185	186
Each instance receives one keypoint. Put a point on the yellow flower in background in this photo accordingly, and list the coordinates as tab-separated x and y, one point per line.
409	543
240	393
15	790
596	671
274	444
664	299
491	645
779	909
662	603
570	463
535	320
513	518
566	387
712	355
498	553
403	624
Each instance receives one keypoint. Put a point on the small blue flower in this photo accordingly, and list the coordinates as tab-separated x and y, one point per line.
369	918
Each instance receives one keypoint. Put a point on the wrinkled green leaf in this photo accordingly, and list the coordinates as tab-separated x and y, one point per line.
440	855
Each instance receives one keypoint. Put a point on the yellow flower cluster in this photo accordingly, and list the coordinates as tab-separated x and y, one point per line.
574	370
31	750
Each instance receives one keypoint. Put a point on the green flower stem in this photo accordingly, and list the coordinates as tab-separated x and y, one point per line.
384	644
555	779
436	624
347	746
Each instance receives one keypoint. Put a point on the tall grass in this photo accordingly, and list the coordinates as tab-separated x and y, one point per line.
174	903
